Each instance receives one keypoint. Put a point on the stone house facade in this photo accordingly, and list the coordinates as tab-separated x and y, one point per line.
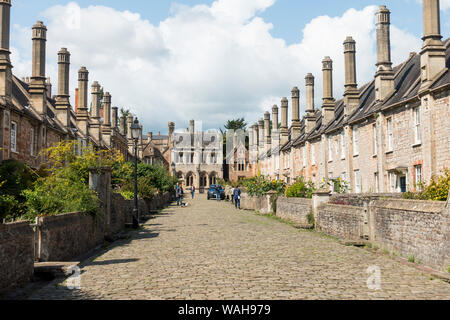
388	135
32	119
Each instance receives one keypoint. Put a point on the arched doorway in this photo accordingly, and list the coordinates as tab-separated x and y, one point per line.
189	179
212	178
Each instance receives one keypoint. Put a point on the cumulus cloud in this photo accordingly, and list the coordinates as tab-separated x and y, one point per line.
210	63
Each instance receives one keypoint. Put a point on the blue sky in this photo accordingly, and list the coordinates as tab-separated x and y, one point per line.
224	59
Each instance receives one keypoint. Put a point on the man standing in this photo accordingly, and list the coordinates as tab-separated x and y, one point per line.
237	197
179	195
232	195
193	192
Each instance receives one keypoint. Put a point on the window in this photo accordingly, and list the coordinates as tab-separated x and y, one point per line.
418	176
357	181
355	141
13	137
392	182
390	135
343	145
374	139
313	155
376	178
344	176
330	149
32	141
304	156
417	132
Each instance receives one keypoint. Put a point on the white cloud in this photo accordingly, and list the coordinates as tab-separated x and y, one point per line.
210	63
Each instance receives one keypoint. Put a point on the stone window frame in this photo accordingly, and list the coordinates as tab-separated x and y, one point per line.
355	136
417	126
418	169
32	141
358	182
374	140
343	145
13	137
313	155
390	134
376	176
330	149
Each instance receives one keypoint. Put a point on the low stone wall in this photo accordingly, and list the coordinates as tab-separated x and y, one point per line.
67	236
344	222
294	209
16	254
361	199
262	204
412	228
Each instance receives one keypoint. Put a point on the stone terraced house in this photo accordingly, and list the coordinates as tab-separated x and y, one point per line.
388	135
31	119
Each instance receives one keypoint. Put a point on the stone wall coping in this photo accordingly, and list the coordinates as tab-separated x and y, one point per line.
14	225
365	195
410	205
62	216
322	192
341	206
295	199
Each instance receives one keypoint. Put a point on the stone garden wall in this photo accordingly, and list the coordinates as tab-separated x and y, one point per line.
344	222
294	209
16	254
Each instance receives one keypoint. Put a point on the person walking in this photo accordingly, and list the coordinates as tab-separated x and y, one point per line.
179	195
237	197
232	195
193	192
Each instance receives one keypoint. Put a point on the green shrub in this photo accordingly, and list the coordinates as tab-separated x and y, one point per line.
260	185
10	208
300	189
16	177
127	195
436	190
61	192
310	219
411	258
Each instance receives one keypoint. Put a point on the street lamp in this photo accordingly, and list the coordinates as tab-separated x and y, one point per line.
135	131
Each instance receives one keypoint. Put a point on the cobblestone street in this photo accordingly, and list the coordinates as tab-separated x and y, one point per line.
209	250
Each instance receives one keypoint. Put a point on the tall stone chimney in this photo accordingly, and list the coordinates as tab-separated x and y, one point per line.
37	86
255	135
261	134
275	121
129	123
310	112
351	94
192	127
284	121
82	112
94	127
62	99
267	130
5	61
384	77
295	128
115	117
106	127
432	55
123	125
48	87
328	100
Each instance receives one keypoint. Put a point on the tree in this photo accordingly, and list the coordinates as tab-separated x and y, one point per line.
236	124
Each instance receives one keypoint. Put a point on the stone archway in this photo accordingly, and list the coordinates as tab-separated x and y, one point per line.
189	179
212	178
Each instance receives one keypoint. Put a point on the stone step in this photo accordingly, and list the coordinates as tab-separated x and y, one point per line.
51	270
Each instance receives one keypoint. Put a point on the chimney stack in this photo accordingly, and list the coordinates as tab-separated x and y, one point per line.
5	61
94	128
384	78
114	117
261	134
82	112
310	112
106	127
62	99
351	94
129	123
123	125
432	56
38	86
295	128
328	100
267	130
192	127
284	121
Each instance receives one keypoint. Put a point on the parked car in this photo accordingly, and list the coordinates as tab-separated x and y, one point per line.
214	190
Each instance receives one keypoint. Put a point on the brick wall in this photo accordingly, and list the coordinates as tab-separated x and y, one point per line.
411	227
294	209
16	254
344	222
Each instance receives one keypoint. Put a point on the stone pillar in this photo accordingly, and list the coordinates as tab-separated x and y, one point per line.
432	56
295	129
284	121
351	94
275	121
192	127
62	100
123	124
82	110
384	77
100	182
310	112
328	100
5	61
37	86
107	110
319	197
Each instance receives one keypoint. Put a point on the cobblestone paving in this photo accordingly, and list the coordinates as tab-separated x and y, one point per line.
209	250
